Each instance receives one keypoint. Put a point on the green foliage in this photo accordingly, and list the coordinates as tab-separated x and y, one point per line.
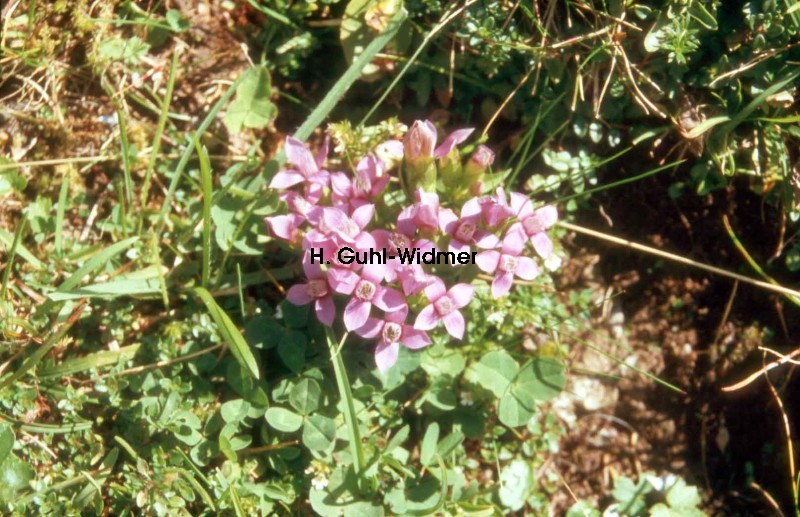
252	107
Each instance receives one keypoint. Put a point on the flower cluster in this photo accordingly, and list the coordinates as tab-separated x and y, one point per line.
332	210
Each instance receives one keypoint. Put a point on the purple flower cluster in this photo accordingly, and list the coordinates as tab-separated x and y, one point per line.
331	210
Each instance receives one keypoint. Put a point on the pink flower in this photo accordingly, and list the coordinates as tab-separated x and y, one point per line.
534	223
366	291
316	290
332	223
369	182
464	230
419	141
495	209
392	332
480	160
304	203
507	263
307	168
444	307
422	215
452	140
411	276
286	227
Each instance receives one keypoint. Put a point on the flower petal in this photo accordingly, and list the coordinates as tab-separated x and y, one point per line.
389	300
356	314
454	323
548	215
502	284
371	328
435	290
452	140
342	280
427	318
526	268
298	154
287	178
386	355
488	260
413	338
363	215
461	294
297	295
514	241
325	310
542	244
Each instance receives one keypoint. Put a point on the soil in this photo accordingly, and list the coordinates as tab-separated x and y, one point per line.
697	331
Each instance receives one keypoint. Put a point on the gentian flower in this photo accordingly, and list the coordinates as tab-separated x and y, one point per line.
391	332
316	290
307	168
534	223
464	230
507	263
368	184
422	215
444	307
366	291
286	227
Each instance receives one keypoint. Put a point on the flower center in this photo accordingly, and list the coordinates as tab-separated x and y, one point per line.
398	240
508	263
465	231
392	332
317	288
365	290
443	306
533	225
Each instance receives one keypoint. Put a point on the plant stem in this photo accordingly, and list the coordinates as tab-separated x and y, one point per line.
343	384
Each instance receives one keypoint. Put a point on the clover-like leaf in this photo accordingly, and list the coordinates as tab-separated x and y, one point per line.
252	106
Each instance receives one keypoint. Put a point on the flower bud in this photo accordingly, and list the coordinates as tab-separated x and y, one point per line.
480	160
419	142
418	145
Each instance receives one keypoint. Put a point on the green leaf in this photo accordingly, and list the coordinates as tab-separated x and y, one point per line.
231	335
429	441
252	106
319	433
10	178
14	476
292	350
283	419
494	372
129	50
515	484
449	443
305	396
681	495
793	259
234	410
512	412
6	441
539	380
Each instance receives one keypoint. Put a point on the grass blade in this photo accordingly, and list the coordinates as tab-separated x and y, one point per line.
207	187
7	240
162	122
349	77
231	335
11	254
62	206
187	153
40	352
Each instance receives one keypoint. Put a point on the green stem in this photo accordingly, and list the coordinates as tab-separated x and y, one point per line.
347	397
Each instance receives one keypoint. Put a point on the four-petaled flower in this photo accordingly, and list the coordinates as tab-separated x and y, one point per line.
534	222
507	263
307	168
391	332
365	291
444	307
316	290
